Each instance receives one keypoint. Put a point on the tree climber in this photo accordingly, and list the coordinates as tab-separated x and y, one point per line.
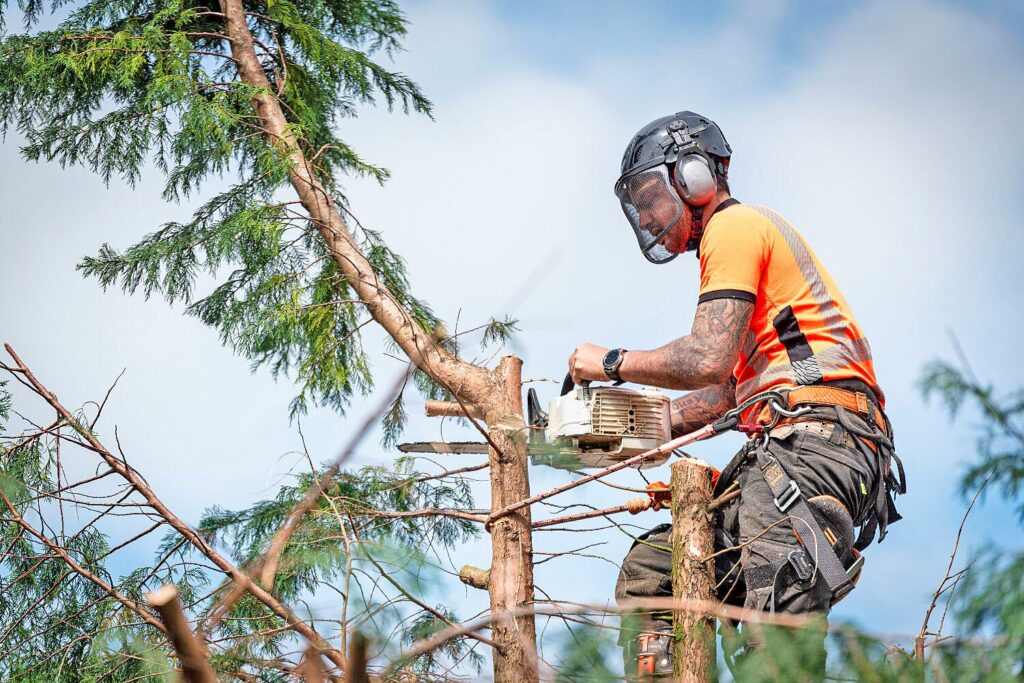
769	318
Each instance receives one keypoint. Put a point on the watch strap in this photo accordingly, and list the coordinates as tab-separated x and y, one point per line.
612	365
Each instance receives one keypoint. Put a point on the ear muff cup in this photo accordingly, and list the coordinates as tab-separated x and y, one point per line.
694	179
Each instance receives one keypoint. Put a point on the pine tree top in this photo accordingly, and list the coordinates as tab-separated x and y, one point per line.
126	86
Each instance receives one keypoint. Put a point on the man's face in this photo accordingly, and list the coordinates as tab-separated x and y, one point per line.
655	211
659	211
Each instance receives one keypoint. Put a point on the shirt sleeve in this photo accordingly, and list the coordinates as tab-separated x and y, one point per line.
732	257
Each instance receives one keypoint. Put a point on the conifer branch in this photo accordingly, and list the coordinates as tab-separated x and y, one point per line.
132	477
266	567
60	552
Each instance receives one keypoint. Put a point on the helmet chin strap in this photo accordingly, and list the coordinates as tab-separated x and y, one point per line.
696	229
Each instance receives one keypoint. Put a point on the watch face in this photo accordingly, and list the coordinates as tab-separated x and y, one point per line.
612	357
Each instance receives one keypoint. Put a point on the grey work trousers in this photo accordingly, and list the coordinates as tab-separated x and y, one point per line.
824	461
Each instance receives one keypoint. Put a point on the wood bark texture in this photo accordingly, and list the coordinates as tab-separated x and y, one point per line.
452	409
356	671
497	393
693	578
511	576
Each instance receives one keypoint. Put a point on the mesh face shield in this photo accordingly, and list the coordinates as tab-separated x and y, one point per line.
652	206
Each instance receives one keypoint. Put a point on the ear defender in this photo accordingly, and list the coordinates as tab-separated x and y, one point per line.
694	179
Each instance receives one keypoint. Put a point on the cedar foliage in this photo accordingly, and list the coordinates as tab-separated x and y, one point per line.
56	625
123	87
126	86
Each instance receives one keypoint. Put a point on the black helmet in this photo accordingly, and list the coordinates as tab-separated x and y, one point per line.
653	144
651	181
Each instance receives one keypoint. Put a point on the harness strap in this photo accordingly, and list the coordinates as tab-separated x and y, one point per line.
819	395
789	499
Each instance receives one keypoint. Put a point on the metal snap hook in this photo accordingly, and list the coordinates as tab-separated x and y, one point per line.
781	411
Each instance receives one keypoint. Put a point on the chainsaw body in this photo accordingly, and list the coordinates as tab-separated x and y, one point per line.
594	427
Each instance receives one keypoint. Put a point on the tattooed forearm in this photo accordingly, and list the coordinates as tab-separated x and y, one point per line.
701	407
703	358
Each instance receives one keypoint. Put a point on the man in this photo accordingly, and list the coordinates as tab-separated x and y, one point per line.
769	319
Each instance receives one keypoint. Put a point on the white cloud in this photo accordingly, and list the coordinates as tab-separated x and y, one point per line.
892	144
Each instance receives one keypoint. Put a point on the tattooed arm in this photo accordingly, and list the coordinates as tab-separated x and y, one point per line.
703	358
692	411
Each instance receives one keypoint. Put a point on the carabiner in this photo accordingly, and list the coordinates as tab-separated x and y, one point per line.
786	412
778	411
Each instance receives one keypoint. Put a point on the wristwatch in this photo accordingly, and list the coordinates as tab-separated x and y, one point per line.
612	362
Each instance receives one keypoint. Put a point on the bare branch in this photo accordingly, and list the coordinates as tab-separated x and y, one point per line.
919	641
195	660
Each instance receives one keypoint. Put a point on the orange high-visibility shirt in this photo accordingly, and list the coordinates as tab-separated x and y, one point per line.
802	330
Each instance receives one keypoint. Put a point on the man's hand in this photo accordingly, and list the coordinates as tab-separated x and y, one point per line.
587	363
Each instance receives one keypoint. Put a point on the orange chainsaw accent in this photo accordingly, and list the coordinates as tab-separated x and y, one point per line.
645	660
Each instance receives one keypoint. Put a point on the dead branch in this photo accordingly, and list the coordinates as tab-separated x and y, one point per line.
705	607
663	449
266	567
195	660
272	557
919	641
65	557
22	372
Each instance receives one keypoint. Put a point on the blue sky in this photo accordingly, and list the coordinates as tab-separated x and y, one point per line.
887	132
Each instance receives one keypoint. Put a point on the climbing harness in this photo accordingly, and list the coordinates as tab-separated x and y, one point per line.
822	546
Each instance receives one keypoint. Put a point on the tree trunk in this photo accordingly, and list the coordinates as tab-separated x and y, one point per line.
497	393
511	576
692	577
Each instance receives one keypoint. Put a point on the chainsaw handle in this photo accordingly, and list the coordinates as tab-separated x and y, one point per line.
568	385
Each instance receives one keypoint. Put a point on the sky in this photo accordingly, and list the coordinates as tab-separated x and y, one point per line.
886	132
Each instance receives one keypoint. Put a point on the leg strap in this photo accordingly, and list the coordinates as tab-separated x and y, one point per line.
790	500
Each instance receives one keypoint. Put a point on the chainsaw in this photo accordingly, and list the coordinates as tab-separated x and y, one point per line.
596	426
584	427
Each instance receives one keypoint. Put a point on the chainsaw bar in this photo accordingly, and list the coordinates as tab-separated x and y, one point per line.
451	447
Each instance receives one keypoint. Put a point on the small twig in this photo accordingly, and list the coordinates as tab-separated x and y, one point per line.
919	641
723	499
709	607
590	514
664	449
266	567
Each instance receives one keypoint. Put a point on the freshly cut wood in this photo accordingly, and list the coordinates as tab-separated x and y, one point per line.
475	577
693	577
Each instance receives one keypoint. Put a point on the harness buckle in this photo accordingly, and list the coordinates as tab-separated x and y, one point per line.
802	565
788	497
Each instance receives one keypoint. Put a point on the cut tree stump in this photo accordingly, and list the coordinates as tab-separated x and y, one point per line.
693	578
